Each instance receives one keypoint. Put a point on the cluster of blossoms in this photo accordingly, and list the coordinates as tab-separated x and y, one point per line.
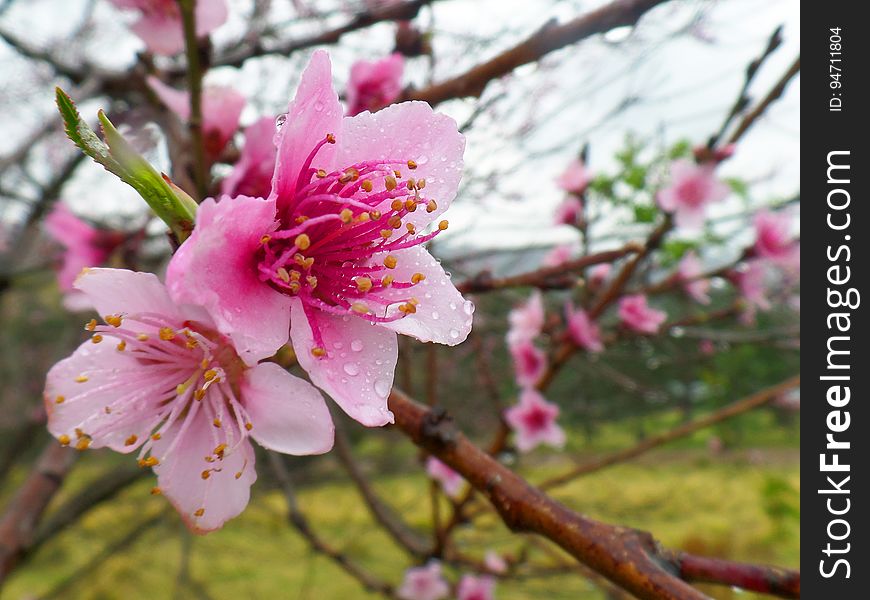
329	258
428	582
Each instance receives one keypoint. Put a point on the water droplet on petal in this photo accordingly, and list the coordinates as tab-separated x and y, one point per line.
356	345
452	306
318	106
351	369
468	307
338	345
454	333
435	315
382	387
280	120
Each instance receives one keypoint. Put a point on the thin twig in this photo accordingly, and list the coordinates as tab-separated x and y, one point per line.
194	84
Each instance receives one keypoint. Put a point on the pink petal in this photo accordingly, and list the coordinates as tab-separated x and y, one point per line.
178	101
313	113
118	292
210	14
288	414
161	35
221	496
215	268
443	315
357	371
95	406
409	131
252	174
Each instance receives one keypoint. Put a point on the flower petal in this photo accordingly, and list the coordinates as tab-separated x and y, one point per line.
443	315
161	34
357	371
288	414
119	291
220	496
409	131
210	14
215	268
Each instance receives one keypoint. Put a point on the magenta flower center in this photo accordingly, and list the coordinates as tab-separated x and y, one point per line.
536	419
692	191
337	231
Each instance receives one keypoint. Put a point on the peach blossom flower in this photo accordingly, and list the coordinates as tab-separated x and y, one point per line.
424	583
374	85
451	481
160	27
533	420
691	189
638	316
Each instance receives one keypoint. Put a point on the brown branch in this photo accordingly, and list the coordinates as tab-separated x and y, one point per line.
25	510
549	38
756	578
194	84
300	523
739	407
630	558
771	97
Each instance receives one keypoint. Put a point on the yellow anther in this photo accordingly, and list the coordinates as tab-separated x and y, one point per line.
308	262
294	287
210	374
421	183
411	227
201	511
238	475
283	275
167	333
199	394
395	221
397	204
107	410
295	275
63	439
363	217
367	185
414	301
352	173
386	233
363	284
387	281
130	440
122	345
417	277
375	214
407	308
151	461
81	378
312	281
301	219
219	450
205	474
318	352
443	225
216	423
113	320
412	164
431	206
411	183
142	337
410	205
91	325
390	261
265	239
330	138
249	426
397	173
321	173
359	307
83	443
79	433
191	343
302	241
59	400
390	183
204	363
346	215
156	491
156	436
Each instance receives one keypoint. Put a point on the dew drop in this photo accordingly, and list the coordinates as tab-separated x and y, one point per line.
382	387
454	333
351	369
452	306
468	307
280	120
338	345
356	345
318	106
435	315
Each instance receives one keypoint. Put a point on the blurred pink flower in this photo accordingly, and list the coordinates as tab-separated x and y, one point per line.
476	588
84	246
529	361
692	188
707	347
526	320
495	562
334	258
424	583
569	211
533	420
599	274
638	316
773	239
451	481
704	154
751	285
374	85
252	174
159	379
559	255
582	330
689	269
221	109
160	24
575	178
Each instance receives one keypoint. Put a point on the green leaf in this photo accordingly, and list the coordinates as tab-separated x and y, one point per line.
169	202
645	213
739	186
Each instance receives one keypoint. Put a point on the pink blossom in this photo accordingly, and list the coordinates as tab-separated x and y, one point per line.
495	562
374	85
160	27
221	109
750	282
159	379
707	347
476	588
638	316
599	274
582	330
533	419
569	212
333	259
526	320
85	246
575	178
451	481
559	255
252	174
688	271
773	240
424	583
530	362
692	188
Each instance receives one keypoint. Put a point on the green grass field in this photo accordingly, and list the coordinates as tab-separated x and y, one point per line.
743	505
